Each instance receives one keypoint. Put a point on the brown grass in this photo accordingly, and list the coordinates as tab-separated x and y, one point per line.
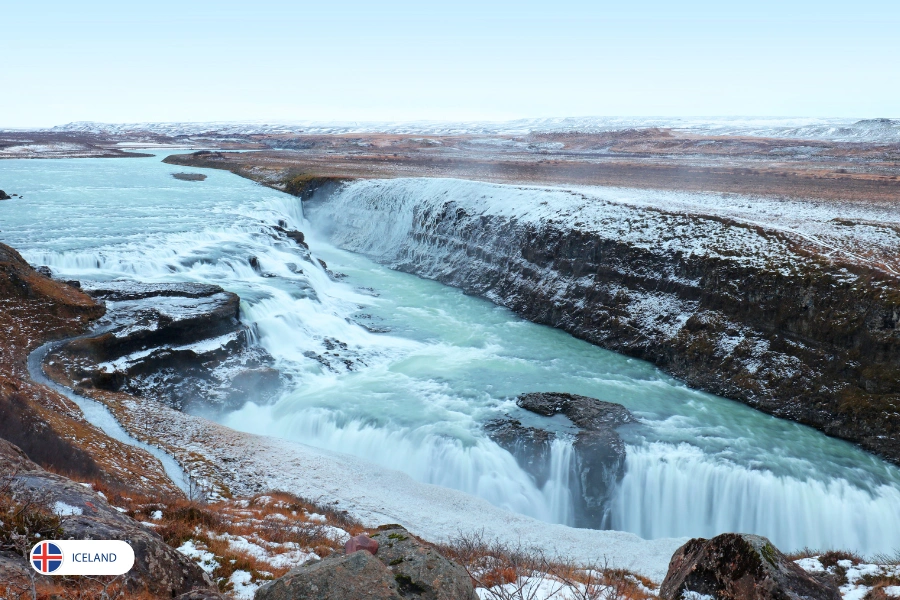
504	571
277	521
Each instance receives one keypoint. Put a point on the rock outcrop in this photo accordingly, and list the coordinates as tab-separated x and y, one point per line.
180	343
361	542
402	567
85	515
358	575
4	196
599	461
529	445
736	566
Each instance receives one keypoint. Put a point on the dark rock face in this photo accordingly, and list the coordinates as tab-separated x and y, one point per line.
180	343
599	461
403	567
158	568
529	445
736	566
4	195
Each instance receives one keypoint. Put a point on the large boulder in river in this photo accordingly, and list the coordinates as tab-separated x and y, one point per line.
402	567
736	566
599	452
85	515
587	413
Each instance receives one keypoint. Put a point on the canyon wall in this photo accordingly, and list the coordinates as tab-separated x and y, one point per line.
735	306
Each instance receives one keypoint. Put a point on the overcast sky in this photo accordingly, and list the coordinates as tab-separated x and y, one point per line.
195	60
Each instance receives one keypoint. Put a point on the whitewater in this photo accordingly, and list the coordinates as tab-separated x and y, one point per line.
404	372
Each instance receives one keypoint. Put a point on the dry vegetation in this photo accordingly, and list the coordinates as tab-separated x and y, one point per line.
262	536
506	572
853	572
648	158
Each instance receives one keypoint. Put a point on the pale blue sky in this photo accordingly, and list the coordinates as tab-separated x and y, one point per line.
197	60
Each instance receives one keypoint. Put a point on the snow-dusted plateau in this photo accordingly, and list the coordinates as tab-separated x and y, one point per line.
594	338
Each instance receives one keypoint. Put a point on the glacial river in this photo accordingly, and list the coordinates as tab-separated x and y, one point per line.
404	372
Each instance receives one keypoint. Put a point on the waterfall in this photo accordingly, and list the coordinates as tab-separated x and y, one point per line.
558	488
405	372
678	490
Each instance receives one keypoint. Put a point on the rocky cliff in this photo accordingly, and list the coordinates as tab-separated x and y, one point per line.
738	304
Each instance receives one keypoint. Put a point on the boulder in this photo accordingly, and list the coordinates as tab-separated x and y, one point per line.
4	195
361	542
599	461
189	176
587	413
404	567
360	576
158	569
296	236
735	566
419	570
15	574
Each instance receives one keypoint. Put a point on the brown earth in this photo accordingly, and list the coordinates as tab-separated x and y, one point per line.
654	159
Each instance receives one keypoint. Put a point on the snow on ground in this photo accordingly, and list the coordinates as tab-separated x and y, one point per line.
859	578
205	559
243	588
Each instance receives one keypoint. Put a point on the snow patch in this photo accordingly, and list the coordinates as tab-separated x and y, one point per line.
66	510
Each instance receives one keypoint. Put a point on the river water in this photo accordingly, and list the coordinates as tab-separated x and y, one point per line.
404	372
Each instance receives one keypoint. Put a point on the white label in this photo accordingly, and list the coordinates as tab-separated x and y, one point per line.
82	557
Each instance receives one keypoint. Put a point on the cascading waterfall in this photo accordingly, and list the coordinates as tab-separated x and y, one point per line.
558	488
404	372
677	490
